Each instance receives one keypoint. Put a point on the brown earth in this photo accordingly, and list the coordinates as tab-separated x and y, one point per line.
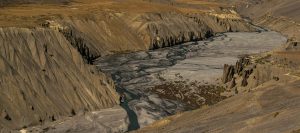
279	15
267	103
42	78
194	94
46	48
266	87
270	108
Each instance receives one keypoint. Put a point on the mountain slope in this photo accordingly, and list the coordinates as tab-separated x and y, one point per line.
269	109
279	15
42	78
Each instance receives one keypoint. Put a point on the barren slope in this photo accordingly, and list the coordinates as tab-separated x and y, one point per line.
42	78
273	108
279	15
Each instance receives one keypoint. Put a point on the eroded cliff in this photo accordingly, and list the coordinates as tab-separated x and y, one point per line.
42	78
143	31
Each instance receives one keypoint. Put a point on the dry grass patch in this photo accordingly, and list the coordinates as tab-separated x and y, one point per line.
192	93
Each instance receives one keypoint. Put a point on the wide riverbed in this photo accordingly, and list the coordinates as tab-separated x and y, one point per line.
135	73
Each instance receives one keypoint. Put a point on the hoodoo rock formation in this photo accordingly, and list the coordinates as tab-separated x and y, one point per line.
228	73
242	68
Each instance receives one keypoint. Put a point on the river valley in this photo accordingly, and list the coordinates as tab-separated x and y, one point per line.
135	73
164	82
139	66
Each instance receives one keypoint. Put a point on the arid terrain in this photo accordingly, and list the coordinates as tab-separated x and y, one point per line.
265	84
182	66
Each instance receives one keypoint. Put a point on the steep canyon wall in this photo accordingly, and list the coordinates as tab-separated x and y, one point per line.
42	78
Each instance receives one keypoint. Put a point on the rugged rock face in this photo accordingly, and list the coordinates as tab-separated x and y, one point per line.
44	77
242	68
255	70
237	76
292	45
241	64
102	34
232	83
159	30
245	76
228	73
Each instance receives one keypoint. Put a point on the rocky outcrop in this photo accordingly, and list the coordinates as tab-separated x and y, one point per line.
242	68
228	73
245	76
292	45
241	64
232	83
43	78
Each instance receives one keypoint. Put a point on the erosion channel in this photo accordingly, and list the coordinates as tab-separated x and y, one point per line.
183	72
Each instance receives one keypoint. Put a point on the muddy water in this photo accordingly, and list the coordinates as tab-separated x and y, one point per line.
135	73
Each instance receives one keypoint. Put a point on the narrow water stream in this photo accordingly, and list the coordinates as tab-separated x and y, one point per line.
134	124
135	73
